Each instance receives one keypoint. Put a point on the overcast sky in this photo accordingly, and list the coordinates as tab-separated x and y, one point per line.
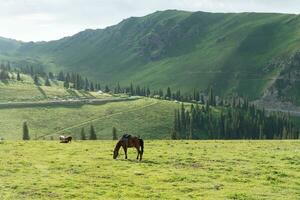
36	20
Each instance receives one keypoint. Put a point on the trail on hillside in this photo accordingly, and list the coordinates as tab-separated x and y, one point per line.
61	102
96	119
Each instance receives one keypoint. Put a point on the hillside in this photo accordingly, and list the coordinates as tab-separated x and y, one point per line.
212	170
26	91
9	45
233	52
148	118
54	110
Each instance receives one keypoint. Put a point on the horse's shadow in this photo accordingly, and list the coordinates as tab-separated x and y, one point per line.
150	162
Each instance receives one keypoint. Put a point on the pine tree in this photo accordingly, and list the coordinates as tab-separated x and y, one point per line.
118	88
176	127
169	93
61	76
25	131
211	98
47	82
66	84
93	135
131	90
82	134
148	93
191	127
18	77
92	87
114	133
36	80
86	85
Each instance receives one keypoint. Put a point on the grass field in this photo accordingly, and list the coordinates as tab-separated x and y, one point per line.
25	90
128	116
210	170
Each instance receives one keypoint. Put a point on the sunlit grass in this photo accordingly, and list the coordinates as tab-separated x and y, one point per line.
170	170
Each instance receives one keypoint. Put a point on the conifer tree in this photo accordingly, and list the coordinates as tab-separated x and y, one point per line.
36	80
82	134
92	87
25	132
211	98
148	92
47	82
114	133
86	85
131	90
61	76
175	129
93	135
66	84
106	90
169	93
18	77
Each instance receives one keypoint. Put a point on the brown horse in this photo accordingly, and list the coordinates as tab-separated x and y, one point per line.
128	141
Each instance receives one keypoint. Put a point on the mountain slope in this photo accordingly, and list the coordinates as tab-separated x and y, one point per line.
8	45
232	52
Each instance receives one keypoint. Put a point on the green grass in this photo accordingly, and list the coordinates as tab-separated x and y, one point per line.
210	170
149	118
26	90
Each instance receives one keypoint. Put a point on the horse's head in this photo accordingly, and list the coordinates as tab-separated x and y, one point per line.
116	150
116	153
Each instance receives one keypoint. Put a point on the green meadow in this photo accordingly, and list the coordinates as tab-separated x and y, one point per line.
49	122
210	170
27	91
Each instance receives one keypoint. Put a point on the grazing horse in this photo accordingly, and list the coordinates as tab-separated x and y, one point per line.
128	141
65	139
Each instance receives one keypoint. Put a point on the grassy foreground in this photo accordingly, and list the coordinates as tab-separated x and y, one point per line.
237	170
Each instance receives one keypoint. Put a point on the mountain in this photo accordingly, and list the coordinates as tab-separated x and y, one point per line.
8	45
241	53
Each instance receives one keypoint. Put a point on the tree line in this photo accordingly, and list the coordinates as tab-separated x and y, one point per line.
237	119
92	135
78	82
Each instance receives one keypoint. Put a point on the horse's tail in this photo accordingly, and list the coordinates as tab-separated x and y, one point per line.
142	145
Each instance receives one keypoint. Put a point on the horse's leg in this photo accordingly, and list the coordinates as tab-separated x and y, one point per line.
141	152
138	153
141	155
125	151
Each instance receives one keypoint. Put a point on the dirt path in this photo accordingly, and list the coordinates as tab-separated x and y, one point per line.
62	102
95	119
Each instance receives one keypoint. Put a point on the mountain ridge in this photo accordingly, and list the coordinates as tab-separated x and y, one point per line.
232	52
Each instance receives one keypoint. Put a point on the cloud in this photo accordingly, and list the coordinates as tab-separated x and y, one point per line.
53	19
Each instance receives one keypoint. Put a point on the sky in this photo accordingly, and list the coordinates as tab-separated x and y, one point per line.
44	20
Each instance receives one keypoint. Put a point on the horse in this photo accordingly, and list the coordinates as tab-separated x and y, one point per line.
128	141
65	139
